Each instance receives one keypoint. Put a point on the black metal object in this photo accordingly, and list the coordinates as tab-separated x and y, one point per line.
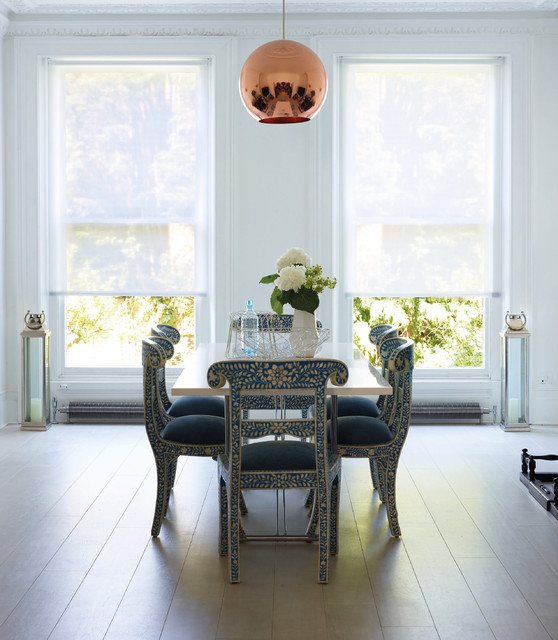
444	412
542	486
119	412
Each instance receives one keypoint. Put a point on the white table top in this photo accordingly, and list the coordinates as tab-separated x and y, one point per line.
193	379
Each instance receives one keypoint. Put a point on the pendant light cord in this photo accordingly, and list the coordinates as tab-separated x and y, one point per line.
283	19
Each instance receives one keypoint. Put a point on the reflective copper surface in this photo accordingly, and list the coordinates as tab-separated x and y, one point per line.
283	82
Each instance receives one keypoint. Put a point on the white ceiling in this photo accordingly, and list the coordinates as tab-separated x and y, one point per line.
30	7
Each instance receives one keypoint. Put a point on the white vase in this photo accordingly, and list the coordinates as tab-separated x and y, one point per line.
304	337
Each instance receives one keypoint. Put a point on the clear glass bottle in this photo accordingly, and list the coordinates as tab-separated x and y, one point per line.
249	330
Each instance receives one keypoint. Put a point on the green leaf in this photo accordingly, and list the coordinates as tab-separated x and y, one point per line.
275	302
305	300
286	297
269	279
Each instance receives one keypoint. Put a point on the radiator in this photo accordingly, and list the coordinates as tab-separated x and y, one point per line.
132	412
447	412
119	412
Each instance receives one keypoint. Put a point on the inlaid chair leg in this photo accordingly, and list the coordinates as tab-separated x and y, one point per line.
314	516
234	534
243	507
390	501
323	517
381	477
174	464
310	498
245	416
161	466
334	514
170	471
223	519
373	472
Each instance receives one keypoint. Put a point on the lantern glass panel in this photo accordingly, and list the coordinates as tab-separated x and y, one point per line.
517	380
35	378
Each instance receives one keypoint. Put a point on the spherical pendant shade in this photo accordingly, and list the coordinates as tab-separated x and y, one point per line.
283	82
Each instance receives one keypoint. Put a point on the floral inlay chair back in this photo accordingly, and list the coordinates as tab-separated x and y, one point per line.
196	434
381	439
272	322
377	336
279	463
167	331
398	355
166	337
168	349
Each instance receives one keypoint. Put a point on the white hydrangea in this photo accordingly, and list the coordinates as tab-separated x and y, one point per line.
293	256
291	277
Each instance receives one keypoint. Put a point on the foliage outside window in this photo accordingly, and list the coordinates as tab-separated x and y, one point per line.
106	331
447	332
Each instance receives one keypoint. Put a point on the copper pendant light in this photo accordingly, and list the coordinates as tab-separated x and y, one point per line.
283	82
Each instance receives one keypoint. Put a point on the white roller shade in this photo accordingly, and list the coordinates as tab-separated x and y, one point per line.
130	205
418	176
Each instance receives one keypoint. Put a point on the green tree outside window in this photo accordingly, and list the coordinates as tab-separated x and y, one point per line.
447	332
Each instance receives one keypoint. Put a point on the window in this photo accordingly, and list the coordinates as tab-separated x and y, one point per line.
129	204
418	144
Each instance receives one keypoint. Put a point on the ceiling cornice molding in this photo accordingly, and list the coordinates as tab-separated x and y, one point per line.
4	25
201	27
19	6
184	7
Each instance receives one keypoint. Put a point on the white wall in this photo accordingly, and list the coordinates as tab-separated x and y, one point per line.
3	333
543	210
276	185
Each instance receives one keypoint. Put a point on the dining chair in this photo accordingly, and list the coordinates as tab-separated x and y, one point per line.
377	335
381	441
167	337
171	437
274	323
361	405
278	463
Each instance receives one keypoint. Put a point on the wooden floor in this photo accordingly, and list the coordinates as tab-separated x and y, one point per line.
478	557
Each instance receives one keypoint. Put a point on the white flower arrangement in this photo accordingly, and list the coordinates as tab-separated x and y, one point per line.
291	277
297	282
294	256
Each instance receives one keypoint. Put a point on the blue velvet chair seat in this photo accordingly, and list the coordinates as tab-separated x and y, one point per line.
352	406
197	405
362	431
195	430
277	455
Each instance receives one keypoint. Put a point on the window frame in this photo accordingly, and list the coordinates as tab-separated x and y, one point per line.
51	67
510	224
54	66
347	224
32	140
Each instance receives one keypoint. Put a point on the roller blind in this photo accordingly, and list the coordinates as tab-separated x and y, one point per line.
130	158
418	173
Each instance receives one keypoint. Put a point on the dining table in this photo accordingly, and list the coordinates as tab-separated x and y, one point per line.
363	379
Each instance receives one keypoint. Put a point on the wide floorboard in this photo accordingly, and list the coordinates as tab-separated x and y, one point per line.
478	558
